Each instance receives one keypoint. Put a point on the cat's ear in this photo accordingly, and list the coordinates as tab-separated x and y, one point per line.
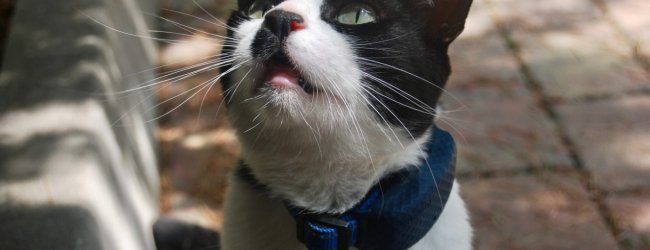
446	18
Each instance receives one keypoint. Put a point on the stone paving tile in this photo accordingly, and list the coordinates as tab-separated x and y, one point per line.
632	213
613	139
493	117
547	211
562	40
633	17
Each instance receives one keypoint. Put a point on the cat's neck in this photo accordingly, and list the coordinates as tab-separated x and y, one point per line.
332	175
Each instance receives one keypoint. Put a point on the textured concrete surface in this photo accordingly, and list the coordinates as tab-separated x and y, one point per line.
561	40
78	168
632	212
613	139
631	18
542	211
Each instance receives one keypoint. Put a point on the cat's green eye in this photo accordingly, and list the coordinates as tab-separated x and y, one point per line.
356	14
259	9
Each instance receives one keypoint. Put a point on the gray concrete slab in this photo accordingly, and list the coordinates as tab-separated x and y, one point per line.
613	139
77	162
544	211
560	40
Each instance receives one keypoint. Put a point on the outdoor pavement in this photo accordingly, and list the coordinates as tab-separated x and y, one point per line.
549	103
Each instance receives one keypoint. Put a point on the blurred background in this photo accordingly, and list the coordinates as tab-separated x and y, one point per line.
549	103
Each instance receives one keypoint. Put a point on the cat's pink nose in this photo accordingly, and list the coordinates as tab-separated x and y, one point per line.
281	22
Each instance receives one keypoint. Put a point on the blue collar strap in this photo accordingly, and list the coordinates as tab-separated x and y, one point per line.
394	215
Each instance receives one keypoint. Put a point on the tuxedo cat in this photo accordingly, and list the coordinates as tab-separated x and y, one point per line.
334	101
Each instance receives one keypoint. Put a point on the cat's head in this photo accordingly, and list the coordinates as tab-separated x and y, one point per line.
344	79
384	57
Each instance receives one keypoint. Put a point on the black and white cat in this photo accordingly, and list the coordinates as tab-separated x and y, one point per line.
330	97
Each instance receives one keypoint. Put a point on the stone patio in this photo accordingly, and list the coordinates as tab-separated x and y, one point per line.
549	102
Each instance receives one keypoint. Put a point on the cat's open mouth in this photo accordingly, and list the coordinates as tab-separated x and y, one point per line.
280	74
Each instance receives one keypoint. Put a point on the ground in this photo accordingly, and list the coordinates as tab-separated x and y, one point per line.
549	103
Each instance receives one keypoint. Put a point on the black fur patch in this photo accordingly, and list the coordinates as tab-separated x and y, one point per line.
397	49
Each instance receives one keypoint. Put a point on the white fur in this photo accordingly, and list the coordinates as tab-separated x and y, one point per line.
322	152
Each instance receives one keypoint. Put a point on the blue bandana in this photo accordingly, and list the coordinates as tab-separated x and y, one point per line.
394	215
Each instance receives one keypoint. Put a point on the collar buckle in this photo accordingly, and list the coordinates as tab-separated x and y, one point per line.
320	232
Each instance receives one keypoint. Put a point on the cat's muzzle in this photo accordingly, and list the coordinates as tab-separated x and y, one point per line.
268	47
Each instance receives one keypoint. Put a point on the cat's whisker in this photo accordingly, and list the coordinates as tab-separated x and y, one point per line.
170	65
224	25
159	104
164	79
259	134
201	87
387	57
165	84
207	91
179	34
411	74
257	116
432	113
406	129
189	29
261	122
451	121
217	61
360	94
133	107
381	116
390	50
314	133
229	93
253	98
169	41
253	127
225	93
356	124
204	61
449	111
386	40
404	126
422	107
335	91
437	112
220	41
220	24
414	32
392	114
451	124
363	88
433	176
418	145
238	84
